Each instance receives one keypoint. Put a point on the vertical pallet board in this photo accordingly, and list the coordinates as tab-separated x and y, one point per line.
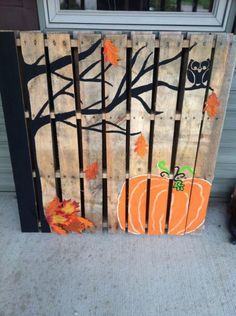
166	101
32	47
116	95
221	77
91	121
59	50
195	90
141	100
14	114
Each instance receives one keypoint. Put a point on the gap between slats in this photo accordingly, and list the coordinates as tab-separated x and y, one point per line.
75	66
151	135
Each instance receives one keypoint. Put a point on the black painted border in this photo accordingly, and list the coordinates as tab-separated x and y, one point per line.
13	108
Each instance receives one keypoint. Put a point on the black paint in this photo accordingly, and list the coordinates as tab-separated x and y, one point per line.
13	107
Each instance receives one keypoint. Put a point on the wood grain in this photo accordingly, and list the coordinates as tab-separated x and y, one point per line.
166	101
142	53
59	48
190	123
115	87
32	47
221	78
90	93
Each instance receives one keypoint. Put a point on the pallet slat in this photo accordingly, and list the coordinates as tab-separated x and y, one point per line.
193	102
32	47
115	93
91	108
141	101
166	101
59	50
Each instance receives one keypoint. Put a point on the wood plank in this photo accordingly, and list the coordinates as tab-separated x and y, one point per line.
221	78
115	92
89	46
74	43
59	50
32	46
141	92
222	71
13	107
166	101
190	123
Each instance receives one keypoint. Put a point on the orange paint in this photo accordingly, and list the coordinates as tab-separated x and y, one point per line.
184	218
141	146
212	105
110	52
137	205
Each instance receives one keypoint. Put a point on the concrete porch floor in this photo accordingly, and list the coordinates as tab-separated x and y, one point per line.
101	274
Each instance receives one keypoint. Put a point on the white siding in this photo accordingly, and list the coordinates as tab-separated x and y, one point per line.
225	175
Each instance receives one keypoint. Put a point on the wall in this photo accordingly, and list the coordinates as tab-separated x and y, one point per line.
6	178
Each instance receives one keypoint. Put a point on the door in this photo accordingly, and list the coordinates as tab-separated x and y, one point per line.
18	15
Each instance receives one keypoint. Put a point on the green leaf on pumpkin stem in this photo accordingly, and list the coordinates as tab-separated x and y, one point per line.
186	168
179	185
162	166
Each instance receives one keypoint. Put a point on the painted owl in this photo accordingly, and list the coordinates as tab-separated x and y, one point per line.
198	72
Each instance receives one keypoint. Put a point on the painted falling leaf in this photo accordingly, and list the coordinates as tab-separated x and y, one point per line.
212	105
110	52
69	207
91	171
63	217
141	146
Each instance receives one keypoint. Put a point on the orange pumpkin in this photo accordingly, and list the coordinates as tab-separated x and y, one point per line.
184	218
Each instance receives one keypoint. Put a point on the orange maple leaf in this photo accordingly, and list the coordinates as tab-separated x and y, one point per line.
141	146
63	217
78	224
56	219
110	52
52	206
91	171
59	229
212	105
69	207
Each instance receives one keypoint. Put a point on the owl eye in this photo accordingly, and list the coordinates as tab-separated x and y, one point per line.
195	65
205	64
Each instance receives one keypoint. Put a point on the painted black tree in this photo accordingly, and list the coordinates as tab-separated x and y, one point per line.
197	75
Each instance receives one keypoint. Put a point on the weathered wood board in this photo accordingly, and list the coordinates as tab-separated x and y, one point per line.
220	82
32	48
90	81
166	102
115	109
141	102
199	61
59	50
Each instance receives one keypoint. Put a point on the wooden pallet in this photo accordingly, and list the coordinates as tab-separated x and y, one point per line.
128	139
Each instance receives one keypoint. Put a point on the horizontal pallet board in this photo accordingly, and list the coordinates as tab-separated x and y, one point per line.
117	123
75	43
